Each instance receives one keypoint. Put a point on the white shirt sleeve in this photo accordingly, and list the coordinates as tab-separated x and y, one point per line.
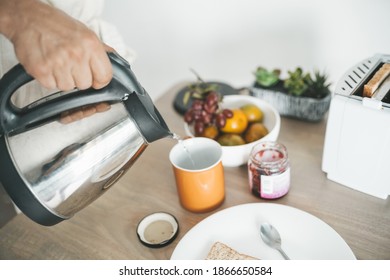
89	12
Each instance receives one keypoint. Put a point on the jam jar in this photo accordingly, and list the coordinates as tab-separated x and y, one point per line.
269	170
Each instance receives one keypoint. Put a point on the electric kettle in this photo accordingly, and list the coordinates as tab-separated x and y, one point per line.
52	170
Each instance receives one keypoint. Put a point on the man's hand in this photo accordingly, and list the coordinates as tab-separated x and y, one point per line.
57	50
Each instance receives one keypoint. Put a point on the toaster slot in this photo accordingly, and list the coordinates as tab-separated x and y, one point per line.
359	89
382	92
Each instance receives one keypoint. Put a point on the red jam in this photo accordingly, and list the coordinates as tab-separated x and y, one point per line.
269	170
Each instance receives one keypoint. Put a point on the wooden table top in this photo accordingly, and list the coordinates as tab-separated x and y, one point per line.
106	229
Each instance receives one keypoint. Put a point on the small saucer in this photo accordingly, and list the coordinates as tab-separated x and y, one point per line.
157	230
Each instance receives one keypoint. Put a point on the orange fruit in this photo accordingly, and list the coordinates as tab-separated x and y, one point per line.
236	124
211	132
252	112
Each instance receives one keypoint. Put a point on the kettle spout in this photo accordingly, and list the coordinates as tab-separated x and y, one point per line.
148	119
138	103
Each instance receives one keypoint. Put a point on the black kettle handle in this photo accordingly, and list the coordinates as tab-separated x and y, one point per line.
14	119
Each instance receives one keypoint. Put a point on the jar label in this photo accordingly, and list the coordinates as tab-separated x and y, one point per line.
276	185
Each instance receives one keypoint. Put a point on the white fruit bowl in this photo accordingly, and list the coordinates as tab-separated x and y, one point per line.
233	156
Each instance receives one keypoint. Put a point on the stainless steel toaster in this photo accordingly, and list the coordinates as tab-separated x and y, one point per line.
357	140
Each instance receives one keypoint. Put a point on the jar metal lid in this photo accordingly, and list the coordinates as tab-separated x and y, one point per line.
157	229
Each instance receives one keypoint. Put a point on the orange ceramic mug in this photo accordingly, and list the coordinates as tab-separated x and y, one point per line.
198	170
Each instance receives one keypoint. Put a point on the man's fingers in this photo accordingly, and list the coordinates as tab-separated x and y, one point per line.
101	71
64	79
83	112
82	76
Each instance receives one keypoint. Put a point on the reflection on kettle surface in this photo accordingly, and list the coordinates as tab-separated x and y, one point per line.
59	159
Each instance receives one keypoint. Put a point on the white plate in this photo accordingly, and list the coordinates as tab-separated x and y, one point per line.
304	236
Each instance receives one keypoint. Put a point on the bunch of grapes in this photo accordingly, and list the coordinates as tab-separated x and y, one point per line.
205	112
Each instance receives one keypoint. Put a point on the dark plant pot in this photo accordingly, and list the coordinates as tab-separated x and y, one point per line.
303	108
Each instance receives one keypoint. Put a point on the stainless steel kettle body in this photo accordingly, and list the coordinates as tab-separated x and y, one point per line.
52	170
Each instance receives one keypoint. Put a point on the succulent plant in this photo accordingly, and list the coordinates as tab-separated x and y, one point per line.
266	78
319	85
297	82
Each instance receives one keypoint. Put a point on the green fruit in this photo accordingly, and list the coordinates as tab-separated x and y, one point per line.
230	140
255	132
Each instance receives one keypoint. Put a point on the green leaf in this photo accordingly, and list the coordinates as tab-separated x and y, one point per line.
186	97
266	78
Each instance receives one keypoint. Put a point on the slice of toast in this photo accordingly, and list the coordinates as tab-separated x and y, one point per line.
221	251
372	85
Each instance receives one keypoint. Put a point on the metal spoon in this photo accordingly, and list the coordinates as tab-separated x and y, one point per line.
271	237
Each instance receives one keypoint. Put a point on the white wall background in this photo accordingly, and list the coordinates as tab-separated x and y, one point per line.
226	40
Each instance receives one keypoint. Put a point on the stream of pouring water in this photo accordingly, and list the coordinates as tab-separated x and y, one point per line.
181	142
